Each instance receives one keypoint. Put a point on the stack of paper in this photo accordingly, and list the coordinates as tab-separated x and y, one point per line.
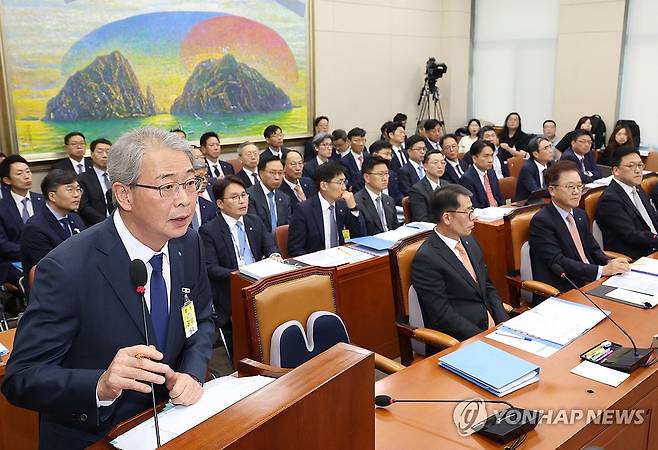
635	281
332	257
492	213
490	368
218	395
265	268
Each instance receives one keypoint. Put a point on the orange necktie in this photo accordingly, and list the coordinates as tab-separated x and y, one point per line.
300	193
487	189
575	236
469	267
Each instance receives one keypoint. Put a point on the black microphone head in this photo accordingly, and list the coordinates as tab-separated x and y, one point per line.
383	401
558	270
137	270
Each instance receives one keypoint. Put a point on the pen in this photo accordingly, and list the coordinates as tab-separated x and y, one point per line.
644	272
525	338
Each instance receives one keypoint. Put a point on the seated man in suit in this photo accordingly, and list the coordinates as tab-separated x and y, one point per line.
211	149
249	157
559	234
323	145
449	273
74	145
205	210
433	130
480	178
412	172
531	177
353	162
627	220
274	138
79	357
55	222
265	199
395	135
325	220
455	167
357	138
95	183
341	144
580	153
383	149
232	239
206	183
295	186
320	125
376	209
16	208
501	155
420	194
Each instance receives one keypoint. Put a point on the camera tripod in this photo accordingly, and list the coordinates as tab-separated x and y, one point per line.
430	93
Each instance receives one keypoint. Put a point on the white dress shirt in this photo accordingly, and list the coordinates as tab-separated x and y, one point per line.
324	205
433	185
75	165
482	174
233	227
497	165
541	169
397	152
250	174
213	166
451	243
18	199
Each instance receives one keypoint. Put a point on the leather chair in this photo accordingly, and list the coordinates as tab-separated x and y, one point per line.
514	165
590	202
508	187
281	240
294	295
406	209
237	165
648	182
651	163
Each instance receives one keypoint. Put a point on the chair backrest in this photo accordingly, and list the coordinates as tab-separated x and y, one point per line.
281	239
597	234
525	271
648	182
508	187
415	320
275	300
517	226
590	201
30	276
237	165
514	164
406	209
400	257
652	162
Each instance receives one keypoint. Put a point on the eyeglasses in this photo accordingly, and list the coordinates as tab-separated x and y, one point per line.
470	211
634	166
571	187
278	173
584	141
73	190
295	164
237	197
379	174
193	185
450	147
340	182
419	149
76	144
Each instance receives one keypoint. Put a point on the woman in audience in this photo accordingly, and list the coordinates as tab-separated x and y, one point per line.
465	142
584	123
621	136
512	138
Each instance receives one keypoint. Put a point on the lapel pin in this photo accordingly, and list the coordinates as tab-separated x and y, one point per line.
185	290
180	253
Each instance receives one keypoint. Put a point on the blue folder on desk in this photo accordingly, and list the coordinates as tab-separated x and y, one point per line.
490	368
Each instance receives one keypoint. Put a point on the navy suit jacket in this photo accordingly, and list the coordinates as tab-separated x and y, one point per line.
369	214
208	210
419	200
395	162
354	176
394	187
65	164
227	168
450	173
42	233
551	243
259	206
306	231
624	230
11	225
450	299
309	168
471	181
588	160
221	259
268	152
82	310
93	203
407	177
248	181
308	187
528	181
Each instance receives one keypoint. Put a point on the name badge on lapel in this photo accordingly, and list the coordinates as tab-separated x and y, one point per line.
189	316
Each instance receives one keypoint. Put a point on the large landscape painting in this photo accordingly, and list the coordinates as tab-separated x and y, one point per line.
106	66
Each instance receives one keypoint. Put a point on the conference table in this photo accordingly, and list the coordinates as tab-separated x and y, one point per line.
427	425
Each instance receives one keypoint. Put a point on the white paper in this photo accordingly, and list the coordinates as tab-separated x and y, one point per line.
492	213
636	298
218	395
533	346
645	264
634	281
3	350
425	226
332	257
599	373
265	268
557	321
399	233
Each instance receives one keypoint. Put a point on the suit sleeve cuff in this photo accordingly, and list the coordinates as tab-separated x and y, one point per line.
102	403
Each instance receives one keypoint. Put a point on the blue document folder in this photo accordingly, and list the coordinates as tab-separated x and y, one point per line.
373	242
490	368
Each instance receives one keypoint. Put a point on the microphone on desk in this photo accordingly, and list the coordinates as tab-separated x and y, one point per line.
514	422
138	278
623	358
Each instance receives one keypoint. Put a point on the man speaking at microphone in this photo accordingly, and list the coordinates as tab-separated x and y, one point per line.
80	357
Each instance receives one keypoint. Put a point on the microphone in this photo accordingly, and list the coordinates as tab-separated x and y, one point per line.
622	358
512	423
138	278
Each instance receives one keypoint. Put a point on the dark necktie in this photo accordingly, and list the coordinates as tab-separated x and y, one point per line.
65	224
159	306
333	228
255	178
25	214
215	170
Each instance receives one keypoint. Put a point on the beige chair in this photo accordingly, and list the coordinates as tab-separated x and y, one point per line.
514	165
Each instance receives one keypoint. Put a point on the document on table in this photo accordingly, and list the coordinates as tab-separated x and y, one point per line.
634	281
492	213
634	298
526	343
3	350
332	257
600	373
265	268
555	320
218	395
645	265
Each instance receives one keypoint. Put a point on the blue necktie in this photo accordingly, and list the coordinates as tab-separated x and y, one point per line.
159	306
245	251
421	172
272	205
25	214
65	224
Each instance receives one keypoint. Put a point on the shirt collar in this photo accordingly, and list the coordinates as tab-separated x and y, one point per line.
373	195
433	185
324	204
265	190
19	198
75	163
135	249
291	184
231	222
480	173
628	189
275	152
452	163
580	157
414	164
563	212
539	165
320	162
248	172
99	172
451	243
57	215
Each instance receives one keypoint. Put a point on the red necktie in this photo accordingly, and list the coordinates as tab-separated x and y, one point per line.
487	189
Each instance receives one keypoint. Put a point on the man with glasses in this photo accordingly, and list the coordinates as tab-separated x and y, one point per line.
95	183
560	234
54	222
232	239
448	272
297	187
627	219
265	199
376	208
412	172
579	152
328	219
455	167
79	357
249	157
323	145
383	149
420	194
531	177
74	145
274	138
353	160
205	209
